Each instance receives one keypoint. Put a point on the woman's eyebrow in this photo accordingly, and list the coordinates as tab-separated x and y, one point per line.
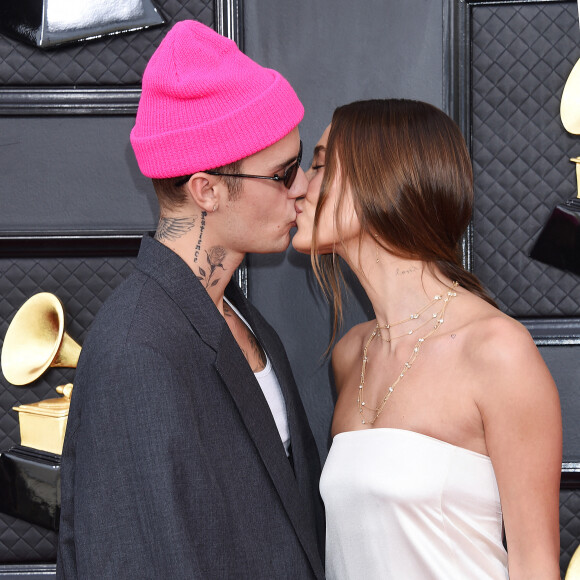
317	150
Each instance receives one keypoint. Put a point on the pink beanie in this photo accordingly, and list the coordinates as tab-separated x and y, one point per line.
205	104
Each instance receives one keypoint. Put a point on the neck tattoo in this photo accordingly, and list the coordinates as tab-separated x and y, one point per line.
201	228
364	409
173	228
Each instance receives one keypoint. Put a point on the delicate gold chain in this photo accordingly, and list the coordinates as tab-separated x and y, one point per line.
408	333
362	406
412	316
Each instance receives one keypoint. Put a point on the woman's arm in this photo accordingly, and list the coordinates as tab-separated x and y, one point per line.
520	408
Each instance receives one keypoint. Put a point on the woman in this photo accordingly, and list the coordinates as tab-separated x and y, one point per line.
447	418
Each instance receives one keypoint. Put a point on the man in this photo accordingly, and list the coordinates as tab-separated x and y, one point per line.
188	453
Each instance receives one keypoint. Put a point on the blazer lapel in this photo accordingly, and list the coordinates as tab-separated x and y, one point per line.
299	507
180	283
183	287
256	415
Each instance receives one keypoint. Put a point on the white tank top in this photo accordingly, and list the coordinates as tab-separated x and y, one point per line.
404	506
271	388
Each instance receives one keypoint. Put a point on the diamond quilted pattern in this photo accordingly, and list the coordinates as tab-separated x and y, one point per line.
521	57
569	526
114	60
24	542
83	285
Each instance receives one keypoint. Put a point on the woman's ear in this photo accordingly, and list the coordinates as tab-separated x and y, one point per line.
206	191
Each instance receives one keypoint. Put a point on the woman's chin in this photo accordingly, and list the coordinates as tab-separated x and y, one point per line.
300	244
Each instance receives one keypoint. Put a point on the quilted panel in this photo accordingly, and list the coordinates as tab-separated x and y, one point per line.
521	57
24	542
83	284
113	60
569	526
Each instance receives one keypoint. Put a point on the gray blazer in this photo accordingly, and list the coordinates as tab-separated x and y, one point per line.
172	464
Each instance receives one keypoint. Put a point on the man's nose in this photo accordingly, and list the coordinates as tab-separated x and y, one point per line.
300	185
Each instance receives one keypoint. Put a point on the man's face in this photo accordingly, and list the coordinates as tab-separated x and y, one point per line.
260	218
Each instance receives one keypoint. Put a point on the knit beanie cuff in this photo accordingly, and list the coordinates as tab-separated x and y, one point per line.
207	110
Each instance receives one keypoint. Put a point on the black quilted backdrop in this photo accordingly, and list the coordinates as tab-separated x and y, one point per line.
569	526
115	60
521	57
83	284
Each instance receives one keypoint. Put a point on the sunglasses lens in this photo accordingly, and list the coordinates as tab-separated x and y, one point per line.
290	175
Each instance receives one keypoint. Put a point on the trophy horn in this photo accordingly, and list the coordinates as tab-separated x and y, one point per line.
36	340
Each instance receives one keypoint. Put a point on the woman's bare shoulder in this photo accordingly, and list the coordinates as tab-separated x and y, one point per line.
357	335
502	354
492	336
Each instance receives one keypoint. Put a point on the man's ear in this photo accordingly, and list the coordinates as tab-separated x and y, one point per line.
206	191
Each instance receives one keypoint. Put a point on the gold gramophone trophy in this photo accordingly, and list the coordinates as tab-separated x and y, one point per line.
35	341
30	472
558	243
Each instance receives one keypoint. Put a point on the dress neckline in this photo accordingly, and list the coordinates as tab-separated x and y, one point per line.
415	433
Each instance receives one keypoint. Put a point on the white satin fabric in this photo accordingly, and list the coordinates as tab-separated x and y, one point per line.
404	506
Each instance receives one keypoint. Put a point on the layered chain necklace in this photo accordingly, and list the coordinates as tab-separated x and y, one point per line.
438	318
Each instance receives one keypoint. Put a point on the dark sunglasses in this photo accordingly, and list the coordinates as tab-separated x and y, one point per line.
287	179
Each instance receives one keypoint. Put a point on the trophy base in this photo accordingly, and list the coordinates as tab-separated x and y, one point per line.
30	486
559	241
43	424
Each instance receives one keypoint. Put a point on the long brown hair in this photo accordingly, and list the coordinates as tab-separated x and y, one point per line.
407	167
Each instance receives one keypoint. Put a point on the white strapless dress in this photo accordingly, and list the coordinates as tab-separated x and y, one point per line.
404	506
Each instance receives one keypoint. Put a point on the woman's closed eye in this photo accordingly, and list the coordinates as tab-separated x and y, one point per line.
318	158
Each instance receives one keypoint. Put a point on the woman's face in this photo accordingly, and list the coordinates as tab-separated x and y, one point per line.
327	236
